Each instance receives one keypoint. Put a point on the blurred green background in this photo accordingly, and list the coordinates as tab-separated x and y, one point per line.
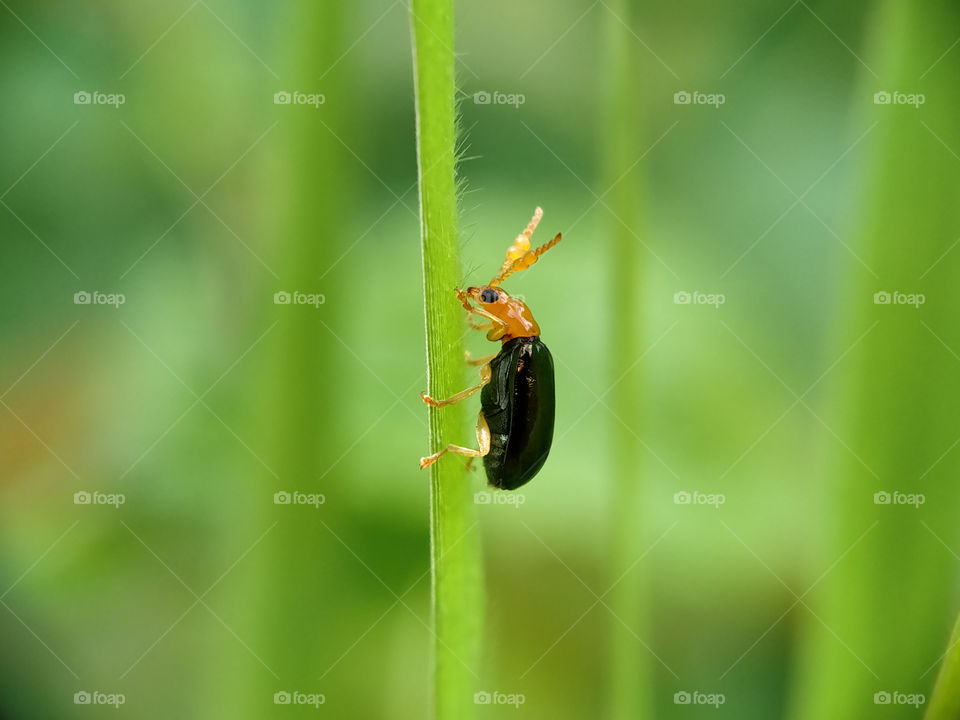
797	398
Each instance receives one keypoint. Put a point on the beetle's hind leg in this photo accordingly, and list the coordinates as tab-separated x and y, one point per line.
483	439
485	374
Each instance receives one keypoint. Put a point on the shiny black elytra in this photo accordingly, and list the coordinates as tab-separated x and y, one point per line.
518	404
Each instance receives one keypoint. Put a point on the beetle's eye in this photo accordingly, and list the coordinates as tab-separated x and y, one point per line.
489	296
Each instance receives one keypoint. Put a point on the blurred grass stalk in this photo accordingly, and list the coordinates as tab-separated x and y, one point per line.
945	701
882	611
628	676
306	187
455	555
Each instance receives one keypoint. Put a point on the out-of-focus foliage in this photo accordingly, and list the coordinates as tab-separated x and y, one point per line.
199	198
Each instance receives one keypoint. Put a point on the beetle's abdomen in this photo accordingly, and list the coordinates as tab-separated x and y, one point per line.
519	406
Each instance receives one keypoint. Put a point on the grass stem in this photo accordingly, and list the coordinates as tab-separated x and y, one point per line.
455	558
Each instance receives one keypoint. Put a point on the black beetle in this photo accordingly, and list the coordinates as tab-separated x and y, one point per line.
515	424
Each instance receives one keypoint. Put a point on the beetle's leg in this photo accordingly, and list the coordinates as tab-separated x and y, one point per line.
497	332
494	324
478	361
483	440
481	326
463	394
496	328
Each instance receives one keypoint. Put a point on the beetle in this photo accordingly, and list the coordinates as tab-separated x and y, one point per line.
517	402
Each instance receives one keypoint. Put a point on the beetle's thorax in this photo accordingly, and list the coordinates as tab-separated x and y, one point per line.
518	320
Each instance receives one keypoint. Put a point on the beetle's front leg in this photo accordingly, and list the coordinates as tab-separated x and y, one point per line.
483	440
478	326
485	374
496	328
494	325
478	361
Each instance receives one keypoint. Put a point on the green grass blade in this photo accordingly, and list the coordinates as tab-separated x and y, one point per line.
457	578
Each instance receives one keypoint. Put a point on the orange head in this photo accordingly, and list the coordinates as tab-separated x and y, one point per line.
511	317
